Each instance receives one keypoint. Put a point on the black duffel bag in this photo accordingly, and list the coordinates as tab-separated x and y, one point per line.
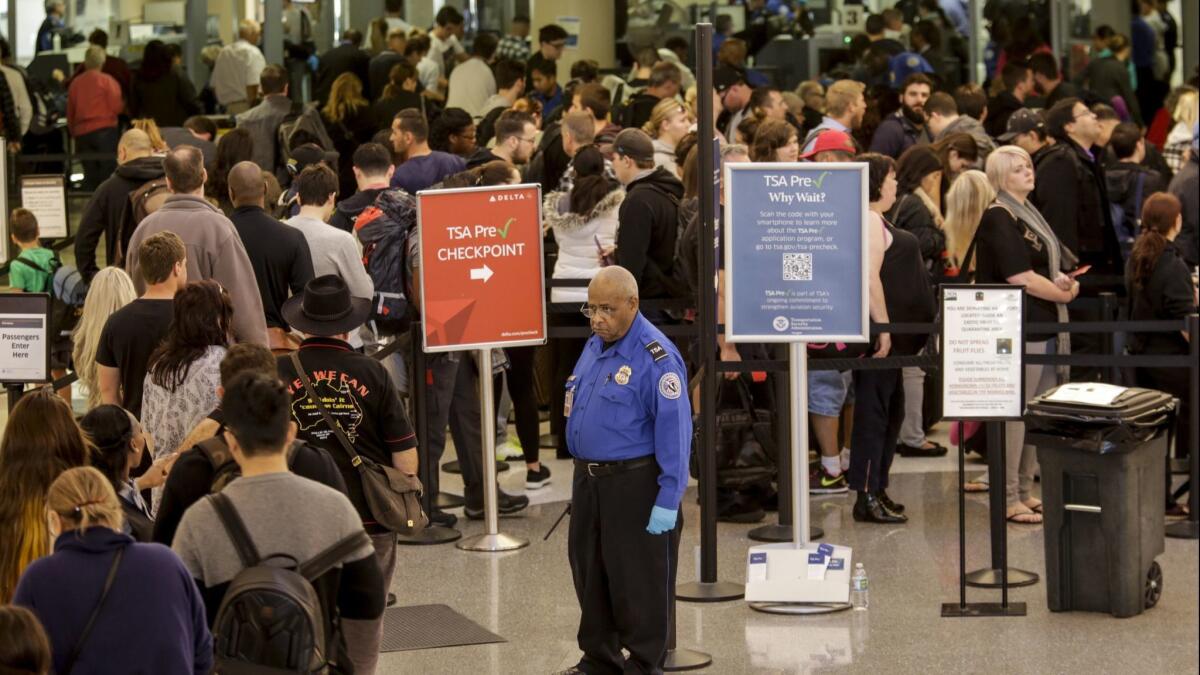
745	441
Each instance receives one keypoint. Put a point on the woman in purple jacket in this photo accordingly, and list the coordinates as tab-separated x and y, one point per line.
143	609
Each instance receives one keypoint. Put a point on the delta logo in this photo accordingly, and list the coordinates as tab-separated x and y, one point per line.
508	197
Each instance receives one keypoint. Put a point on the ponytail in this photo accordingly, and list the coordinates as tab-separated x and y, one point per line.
1160	212
83	498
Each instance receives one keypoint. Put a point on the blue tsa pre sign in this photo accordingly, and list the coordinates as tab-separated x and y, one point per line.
796	252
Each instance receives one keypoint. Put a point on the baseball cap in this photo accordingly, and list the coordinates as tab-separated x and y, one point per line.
831	140
634	144
725	77
904	64
1022	121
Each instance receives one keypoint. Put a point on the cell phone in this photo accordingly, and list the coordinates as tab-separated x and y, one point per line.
607	259
1079	271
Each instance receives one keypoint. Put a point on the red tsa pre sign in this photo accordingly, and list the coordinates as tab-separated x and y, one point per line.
482	279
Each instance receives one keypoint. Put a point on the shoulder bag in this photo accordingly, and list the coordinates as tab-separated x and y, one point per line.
73	656
393	497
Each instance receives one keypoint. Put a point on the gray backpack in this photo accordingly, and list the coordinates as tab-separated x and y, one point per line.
271	619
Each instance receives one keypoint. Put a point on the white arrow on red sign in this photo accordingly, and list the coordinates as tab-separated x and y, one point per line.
481	273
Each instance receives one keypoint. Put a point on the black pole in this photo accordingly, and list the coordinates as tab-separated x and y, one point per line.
1190	528
707	588
962	517
418	385
15	391
999	575
1108	312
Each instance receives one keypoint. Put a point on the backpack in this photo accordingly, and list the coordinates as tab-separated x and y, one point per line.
224	468
144	200
49	107
301	125
271	618
67	291
1125	228
687	247
384	229
672	280
744	445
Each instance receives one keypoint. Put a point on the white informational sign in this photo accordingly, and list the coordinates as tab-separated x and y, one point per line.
46	196
983	345
571	25
24	337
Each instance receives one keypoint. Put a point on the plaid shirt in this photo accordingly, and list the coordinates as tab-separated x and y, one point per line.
1174	154
513	47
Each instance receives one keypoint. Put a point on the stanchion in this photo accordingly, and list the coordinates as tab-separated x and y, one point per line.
999	575
682	659
433	534
782	530
492	540
708	588
14	391
1190	528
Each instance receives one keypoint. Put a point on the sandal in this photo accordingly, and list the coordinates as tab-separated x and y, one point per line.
979	484
1022	515
1036	508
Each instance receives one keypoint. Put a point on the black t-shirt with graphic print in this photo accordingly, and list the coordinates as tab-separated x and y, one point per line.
1007	247
362	399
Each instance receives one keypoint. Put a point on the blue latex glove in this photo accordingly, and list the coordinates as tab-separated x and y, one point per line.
313	63
661	520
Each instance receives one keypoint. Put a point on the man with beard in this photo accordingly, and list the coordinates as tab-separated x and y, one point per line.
516	139
900	130
845	106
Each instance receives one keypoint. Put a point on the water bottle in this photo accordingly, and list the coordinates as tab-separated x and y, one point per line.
859	592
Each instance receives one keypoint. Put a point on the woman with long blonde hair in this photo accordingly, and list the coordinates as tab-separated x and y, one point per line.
969	195
111	289
669	122
41	440
149	126
347	117
153	619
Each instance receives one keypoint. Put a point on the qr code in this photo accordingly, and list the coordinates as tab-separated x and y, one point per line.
797	267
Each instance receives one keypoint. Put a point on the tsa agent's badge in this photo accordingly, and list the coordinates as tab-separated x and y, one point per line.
622	376
669	386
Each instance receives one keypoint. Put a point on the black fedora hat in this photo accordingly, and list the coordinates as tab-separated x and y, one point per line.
326	308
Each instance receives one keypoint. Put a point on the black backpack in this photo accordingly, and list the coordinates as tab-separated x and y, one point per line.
271	618
745	449
224	468
384	228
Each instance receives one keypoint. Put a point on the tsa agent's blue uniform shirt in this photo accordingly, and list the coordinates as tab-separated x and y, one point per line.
631	401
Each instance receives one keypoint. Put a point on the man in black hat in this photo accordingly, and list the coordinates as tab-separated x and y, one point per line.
360	396
1027	130
729	83
648	216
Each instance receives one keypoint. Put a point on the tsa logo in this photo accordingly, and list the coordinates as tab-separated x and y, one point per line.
780	323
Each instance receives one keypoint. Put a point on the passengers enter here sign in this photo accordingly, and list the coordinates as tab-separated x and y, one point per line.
482	281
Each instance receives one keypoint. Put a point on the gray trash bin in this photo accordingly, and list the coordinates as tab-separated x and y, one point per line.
1103	492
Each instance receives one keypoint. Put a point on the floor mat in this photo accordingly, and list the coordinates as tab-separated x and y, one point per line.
429	627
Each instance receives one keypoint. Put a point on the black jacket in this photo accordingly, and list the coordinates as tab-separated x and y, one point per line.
348	209
1109	77
647	232
1122	179
1167	294
1186	186
910	214
999	109
279	255
170	99
107	209
344	58
1072	195
378	69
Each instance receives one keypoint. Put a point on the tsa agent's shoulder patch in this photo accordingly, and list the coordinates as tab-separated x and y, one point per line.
657	351
669	386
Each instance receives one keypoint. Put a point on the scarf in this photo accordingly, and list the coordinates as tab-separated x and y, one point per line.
1061	259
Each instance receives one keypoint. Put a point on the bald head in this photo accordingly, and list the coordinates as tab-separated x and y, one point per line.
612	303
246	184
614	281
134	144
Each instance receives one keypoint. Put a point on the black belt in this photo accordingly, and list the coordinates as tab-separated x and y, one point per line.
598	469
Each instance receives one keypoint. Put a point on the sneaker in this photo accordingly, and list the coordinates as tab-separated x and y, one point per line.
510	449
439	517
506	505
821	483
537	479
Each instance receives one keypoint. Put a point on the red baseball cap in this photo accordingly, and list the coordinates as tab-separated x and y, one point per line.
832	139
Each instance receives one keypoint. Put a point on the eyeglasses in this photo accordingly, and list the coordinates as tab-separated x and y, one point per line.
592	310
531	140
1087	113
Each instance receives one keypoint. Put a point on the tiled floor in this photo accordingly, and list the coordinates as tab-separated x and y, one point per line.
526	596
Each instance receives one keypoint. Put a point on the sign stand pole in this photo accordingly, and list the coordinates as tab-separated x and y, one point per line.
999	575
798	410
491	540
433	534
782	531
14	391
